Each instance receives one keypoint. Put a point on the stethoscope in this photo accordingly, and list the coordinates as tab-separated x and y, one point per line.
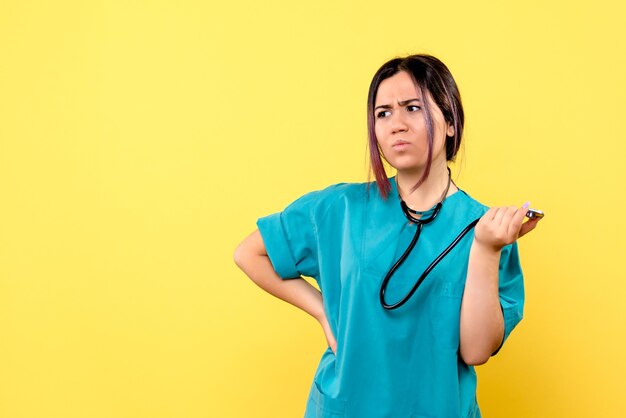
408	212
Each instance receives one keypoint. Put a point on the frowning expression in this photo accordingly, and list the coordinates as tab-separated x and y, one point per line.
400	124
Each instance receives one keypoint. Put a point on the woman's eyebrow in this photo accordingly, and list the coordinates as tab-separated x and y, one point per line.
402	103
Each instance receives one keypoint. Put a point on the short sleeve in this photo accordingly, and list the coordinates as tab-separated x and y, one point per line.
290	238
511	289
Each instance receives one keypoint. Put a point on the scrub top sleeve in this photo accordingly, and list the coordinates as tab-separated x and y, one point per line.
511	289
290	238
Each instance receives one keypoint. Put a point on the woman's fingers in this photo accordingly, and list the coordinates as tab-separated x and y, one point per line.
517	218
501	226
497	218
518	228
509	220
490	214
528	226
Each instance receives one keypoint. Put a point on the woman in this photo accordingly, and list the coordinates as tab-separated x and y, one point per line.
389	355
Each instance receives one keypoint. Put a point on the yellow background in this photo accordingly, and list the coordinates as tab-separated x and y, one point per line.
141	140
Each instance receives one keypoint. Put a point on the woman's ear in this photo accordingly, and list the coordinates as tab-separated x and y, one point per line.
450	131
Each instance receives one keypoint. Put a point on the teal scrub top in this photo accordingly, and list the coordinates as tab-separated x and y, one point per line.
388	364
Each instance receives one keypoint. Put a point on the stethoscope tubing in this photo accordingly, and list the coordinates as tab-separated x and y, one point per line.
420	223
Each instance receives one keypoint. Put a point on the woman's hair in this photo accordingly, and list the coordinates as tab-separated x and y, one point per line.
429	75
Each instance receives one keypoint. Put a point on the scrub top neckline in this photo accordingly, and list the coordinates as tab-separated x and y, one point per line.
396	196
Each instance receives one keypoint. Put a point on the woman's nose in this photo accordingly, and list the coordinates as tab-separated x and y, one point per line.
397	123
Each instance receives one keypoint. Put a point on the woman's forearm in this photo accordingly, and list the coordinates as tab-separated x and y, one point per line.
482	324
252	258
296	291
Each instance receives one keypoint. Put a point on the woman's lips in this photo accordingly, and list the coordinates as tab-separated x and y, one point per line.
400	145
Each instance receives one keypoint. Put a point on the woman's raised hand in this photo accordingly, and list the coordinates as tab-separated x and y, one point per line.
501	226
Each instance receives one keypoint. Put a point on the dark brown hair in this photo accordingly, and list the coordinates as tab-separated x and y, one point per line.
429	75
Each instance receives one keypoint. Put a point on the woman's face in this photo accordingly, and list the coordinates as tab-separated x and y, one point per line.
400	125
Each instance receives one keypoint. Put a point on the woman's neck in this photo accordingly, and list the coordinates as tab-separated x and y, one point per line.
429	193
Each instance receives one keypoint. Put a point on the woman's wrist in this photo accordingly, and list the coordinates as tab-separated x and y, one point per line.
320	315
485	249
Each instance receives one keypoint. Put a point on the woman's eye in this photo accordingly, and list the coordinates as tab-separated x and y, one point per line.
382	114
413	108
